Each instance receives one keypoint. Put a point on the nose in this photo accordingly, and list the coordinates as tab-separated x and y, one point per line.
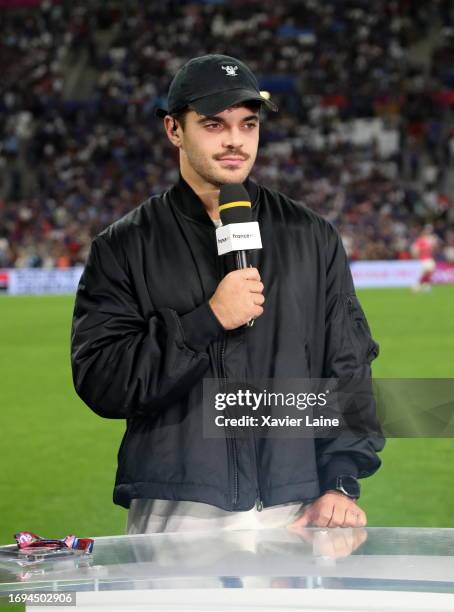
232	139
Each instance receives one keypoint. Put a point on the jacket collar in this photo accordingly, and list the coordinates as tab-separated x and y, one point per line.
189	203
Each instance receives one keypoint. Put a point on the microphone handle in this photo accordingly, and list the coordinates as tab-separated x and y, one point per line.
241	262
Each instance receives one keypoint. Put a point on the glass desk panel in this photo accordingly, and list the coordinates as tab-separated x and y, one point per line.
333	562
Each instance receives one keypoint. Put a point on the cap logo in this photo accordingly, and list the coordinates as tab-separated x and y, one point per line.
230	70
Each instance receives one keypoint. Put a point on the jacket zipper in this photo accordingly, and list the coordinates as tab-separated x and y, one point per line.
230	438
258	501
253	439
231	442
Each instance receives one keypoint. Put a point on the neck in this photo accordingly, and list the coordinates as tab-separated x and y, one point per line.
207	192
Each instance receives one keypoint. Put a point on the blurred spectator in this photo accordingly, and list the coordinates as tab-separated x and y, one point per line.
364	135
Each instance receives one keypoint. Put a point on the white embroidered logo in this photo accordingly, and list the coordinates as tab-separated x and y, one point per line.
230	70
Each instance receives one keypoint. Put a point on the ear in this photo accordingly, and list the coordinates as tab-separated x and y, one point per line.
173	130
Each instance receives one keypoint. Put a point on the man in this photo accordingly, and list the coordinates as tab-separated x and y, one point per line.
157	311
423	249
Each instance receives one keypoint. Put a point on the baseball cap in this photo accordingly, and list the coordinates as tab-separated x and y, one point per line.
212	83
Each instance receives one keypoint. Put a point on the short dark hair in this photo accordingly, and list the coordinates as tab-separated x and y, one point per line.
180	116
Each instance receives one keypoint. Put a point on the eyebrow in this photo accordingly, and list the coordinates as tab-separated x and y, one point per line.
205	118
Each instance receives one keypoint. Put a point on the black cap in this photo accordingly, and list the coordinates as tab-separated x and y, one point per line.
212	83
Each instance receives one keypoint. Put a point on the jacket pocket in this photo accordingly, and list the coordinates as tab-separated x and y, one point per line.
365	348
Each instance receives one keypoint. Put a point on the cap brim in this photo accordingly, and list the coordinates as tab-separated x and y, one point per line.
161	112
216	103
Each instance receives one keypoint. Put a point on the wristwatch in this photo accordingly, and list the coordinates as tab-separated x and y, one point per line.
346	484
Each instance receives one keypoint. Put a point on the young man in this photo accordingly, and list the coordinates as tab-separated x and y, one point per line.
157	311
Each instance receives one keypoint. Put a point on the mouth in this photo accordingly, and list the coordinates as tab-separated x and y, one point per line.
232	161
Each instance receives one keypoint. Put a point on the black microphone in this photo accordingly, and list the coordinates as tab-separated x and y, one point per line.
235	207
238	233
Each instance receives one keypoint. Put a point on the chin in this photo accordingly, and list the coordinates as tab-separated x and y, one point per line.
235	176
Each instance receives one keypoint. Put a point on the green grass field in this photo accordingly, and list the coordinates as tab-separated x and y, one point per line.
59	458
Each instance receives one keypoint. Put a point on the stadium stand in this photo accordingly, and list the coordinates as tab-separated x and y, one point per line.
364	135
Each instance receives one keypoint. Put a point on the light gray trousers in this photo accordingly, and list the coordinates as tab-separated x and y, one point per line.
164	516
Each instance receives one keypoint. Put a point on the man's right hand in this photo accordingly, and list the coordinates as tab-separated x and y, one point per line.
238	298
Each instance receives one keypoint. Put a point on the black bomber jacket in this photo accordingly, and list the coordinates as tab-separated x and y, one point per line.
144	337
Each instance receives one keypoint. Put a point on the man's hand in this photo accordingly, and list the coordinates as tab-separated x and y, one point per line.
333	509
238	298
333	544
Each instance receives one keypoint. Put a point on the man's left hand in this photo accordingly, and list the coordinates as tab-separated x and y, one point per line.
332	509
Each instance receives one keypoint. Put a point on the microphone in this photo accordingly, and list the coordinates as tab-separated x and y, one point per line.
238	233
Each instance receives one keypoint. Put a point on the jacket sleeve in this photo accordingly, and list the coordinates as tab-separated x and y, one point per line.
349	351
122	363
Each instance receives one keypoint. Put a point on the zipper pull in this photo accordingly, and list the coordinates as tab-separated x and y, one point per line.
259	505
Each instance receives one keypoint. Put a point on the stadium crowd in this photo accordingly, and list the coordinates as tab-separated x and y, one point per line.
364	134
